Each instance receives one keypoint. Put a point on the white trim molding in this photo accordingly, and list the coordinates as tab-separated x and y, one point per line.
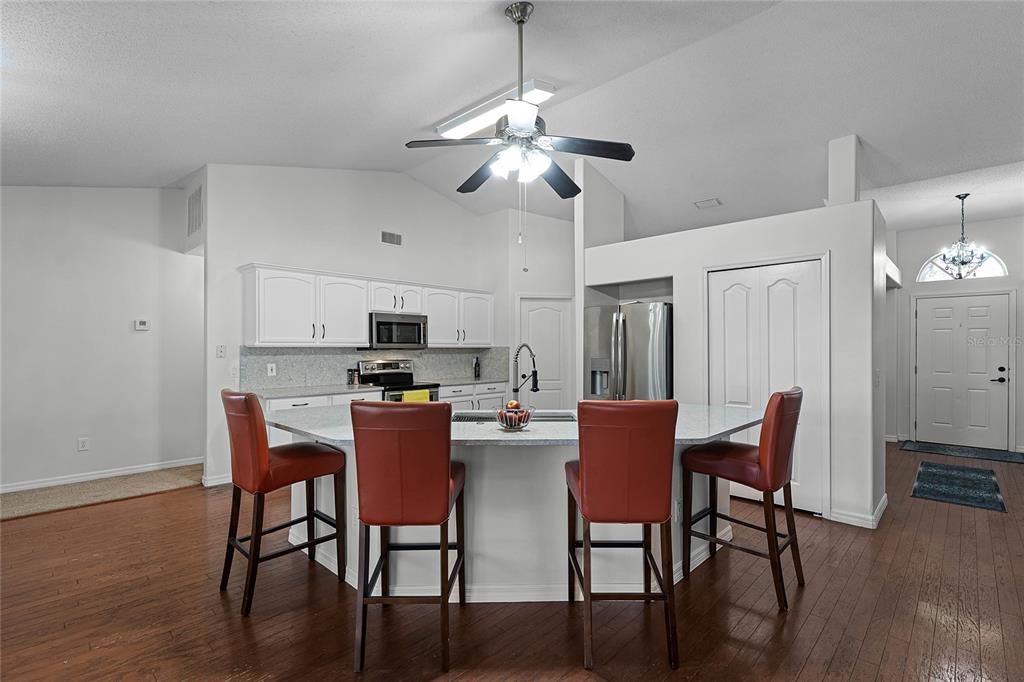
862	520
891	439
96	475
210	481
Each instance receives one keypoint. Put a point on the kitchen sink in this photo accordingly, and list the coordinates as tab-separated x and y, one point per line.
492	417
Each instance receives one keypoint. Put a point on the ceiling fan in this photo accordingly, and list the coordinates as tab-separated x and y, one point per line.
523	138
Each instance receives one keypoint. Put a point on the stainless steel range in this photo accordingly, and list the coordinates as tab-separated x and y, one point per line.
395	377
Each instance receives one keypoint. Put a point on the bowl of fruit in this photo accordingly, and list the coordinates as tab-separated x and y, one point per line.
513	417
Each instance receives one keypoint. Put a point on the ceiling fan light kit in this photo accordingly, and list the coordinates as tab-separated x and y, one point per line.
521	133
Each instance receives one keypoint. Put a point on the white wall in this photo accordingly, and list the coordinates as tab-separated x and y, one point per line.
847	233
79	265
909	249
329	220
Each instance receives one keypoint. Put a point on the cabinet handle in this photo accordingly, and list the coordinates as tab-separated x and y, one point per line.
395	304
323	331
314	330
299	404
403	303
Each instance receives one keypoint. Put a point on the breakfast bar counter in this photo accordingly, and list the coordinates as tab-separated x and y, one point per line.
515	502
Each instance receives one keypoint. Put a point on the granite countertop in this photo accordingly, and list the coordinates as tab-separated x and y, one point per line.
696	424
341	389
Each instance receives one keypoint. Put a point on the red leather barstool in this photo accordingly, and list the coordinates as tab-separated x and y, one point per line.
406	477
767	467
624	475
258	469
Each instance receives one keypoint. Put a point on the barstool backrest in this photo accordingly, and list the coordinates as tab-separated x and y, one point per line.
403	459
247	431
778	433
626	454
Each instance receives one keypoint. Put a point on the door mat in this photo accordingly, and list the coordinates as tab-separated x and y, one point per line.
963	451
967	486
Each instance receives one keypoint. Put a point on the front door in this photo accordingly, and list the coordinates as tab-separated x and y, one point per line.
766	334
963	379
546	324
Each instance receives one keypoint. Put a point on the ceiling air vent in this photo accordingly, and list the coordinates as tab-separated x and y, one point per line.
195	212
392	238
708	203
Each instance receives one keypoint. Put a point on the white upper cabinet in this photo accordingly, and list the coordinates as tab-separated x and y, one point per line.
442	309
389	297
287	307
410	299
344	318
477	312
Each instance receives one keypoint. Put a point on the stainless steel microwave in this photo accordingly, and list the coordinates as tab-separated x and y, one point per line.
390	330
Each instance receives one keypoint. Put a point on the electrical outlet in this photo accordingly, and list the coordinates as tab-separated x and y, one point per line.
271	369
234	371
83	444
677	511
222	351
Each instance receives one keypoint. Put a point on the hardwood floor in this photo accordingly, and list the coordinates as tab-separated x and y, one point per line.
129	589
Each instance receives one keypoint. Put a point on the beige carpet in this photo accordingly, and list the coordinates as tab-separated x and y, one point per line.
27	502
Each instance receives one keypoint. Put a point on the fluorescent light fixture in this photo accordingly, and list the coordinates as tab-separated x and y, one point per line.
488	113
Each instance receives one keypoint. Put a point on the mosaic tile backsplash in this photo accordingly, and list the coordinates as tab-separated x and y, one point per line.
329	366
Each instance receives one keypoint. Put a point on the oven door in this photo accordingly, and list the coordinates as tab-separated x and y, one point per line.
396	395
388	330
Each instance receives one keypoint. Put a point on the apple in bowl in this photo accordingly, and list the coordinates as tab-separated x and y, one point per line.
513	417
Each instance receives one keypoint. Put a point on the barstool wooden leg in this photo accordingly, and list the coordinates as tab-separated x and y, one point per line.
236	503
687	520
713	518
341	523
588	604
385	565
773	549
787	494
668	578
359	653
254	552
310	519
444	597
647	566
460	539
573	514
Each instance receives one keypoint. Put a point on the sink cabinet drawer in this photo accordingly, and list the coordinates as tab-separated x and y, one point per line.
490	389
454	392
296	403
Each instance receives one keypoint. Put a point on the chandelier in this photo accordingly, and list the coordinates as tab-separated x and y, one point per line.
960	259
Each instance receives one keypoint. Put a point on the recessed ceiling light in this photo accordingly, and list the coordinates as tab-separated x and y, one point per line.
708	203
487	113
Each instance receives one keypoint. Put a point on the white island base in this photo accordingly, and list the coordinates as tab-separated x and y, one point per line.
516	508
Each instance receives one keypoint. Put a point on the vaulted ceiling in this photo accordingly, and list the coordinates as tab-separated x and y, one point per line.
735	100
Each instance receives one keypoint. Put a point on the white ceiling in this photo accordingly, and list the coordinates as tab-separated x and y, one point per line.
728	100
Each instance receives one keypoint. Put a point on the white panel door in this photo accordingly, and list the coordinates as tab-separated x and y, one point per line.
344	316
442	309
383	297
287	303
546	324
766	334
410	299
477	319
962	354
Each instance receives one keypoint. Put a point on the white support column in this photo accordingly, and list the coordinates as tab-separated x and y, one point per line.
843	158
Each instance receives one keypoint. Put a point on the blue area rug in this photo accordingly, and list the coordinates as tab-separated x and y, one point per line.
967	486
963	451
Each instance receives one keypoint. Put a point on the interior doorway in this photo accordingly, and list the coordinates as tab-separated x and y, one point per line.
545	322
962	370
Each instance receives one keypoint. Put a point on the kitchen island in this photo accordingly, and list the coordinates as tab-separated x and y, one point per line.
515	503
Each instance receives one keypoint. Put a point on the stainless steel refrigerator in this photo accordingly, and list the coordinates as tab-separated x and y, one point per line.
627	351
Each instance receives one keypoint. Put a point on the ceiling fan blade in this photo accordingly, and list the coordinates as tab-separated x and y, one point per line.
620	151
560	181
416	144
478	178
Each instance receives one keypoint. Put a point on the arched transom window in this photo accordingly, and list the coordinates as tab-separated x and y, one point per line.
935	270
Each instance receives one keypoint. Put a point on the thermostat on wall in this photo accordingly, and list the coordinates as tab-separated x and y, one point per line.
142	325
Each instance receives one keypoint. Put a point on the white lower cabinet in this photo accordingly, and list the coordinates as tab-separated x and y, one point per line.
474	396
490	402
279	437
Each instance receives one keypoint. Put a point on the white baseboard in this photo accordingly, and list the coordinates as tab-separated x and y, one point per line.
1020	448
210	481
95	475
512	593
862	520
892	439
903	436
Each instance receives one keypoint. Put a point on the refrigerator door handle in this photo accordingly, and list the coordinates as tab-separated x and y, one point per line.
615	357
622	356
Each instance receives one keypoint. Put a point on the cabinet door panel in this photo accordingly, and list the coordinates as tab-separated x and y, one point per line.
490	402
477	319
410	299
344	316
287	308
383	297
442	310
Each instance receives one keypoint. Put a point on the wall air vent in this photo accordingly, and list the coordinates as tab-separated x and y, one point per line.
196	216
392	238
708	203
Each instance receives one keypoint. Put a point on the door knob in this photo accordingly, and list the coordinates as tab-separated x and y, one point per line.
1001	380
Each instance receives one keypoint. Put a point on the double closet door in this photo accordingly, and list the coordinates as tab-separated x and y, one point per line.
766	333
